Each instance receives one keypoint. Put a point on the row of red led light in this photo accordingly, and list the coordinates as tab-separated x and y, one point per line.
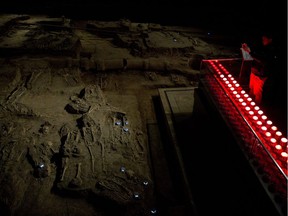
269	135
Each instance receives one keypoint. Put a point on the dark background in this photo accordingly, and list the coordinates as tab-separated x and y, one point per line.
224	14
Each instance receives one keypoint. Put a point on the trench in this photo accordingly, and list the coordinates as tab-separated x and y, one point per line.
221	181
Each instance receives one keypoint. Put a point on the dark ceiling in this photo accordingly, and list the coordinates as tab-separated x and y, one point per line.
179	10
227	15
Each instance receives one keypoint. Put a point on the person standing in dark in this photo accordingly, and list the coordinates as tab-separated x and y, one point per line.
264	69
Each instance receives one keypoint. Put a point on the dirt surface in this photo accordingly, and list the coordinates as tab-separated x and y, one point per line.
76	98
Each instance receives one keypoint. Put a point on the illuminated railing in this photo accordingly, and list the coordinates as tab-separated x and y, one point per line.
262	142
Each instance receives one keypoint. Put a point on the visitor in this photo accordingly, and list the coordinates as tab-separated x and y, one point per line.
264	69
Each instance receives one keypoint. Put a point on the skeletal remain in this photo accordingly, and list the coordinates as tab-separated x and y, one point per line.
64	169
88	134
92	158
91	108
140	141
63	173
68	137
32	79
78	171
103	156
77	137
92	134
20	155
16	93
77	181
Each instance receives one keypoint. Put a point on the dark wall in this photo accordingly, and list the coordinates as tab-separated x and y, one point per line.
174	12
234	17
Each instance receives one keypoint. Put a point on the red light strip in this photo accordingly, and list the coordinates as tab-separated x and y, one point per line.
269	135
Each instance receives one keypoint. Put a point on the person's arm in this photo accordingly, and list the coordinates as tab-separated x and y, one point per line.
245	49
